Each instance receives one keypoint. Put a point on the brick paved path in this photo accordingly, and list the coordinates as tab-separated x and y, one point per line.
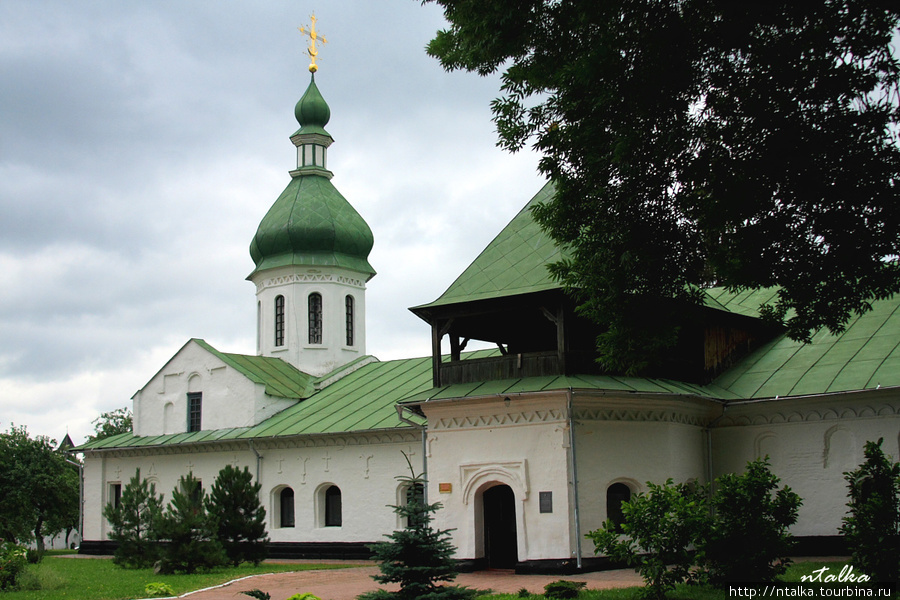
346	584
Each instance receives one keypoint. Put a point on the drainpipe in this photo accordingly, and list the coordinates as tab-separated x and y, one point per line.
577	512
708	431
423	427
258	459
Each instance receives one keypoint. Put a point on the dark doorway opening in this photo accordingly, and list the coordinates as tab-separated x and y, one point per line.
500	548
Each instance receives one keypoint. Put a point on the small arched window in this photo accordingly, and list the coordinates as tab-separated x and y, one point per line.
286	507
315	318
348	312
279	320
616	495
333	507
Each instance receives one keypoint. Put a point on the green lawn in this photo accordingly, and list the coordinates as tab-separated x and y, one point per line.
99	579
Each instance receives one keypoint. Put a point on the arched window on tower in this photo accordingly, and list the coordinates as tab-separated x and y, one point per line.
279	320
315	318
348	311
616	495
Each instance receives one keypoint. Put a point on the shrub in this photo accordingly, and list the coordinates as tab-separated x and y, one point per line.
306	596
134	522
523	593
234	504
12	564
258	594
749	539
190	531
661	529
872	526
34	556
563	589
158	590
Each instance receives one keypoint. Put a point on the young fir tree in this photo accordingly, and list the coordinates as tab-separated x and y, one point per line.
133	523
189	531
872	526
234	504
417	556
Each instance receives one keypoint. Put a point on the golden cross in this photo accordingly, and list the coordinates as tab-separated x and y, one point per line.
313	38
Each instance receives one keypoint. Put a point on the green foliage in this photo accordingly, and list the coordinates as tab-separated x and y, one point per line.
746	144
111	423
233	503
189	531
661	529
872	525
563	589
158	590
523	593
134	523
749	539
33	556
12	564
40	489
418	556
306	596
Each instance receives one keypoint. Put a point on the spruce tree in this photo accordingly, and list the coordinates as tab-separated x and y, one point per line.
133	523
189	531
417	556
234	504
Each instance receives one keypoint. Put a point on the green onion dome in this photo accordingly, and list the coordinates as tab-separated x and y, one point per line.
311	223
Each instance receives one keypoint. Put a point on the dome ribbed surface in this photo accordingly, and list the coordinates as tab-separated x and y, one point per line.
312	224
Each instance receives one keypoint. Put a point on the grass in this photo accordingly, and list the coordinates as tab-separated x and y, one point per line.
99	579
682	592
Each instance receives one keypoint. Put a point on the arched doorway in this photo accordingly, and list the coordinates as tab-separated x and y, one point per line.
500	548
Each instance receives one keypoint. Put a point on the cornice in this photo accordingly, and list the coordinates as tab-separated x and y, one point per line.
854	405
292	278
366	438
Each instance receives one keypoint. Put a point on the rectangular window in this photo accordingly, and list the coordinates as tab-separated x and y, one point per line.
195	404
115	494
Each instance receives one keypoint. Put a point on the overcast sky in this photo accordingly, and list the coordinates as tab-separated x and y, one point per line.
142	142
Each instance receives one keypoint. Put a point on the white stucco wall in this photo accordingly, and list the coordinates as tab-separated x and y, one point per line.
633	441
296	284
474	444
229	399
811	442
363	466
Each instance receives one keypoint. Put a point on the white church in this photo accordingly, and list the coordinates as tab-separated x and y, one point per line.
527	446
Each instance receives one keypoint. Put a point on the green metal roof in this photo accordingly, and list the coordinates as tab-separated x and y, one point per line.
865	356
515	262
282	379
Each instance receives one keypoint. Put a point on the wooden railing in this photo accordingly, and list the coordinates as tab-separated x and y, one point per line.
513	366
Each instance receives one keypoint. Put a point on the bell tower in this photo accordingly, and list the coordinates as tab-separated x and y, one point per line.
311	253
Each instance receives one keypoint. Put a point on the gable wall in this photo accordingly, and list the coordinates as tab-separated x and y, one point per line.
229	398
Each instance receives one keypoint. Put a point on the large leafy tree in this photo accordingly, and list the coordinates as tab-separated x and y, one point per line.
38	488
747	144
111	423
